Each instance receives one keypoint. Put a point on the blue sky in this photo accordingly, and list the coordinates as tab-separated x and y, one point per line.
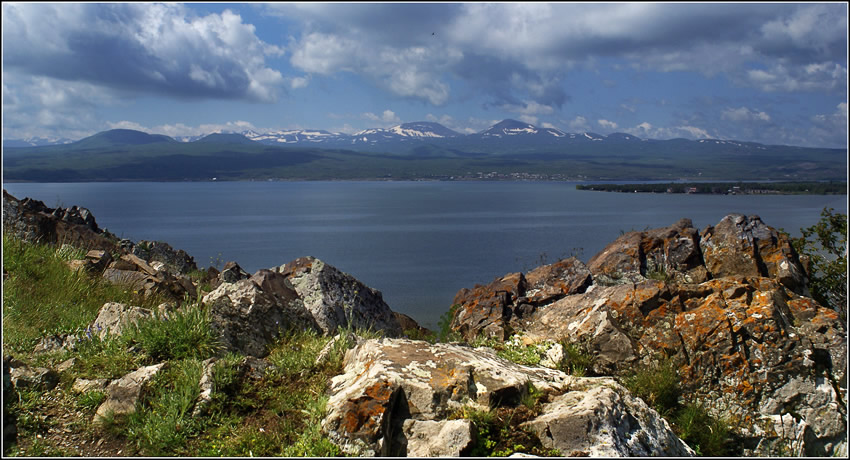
766	72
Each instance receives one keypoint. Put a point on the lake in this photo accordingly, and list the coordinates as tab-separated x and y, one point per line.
416	242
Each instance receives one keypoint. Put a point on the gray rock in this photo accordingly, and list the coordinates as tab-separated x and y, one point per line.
113	318
36	378
205	385
391	387
232	273
336	299
249	318
430	438
605	421
124	393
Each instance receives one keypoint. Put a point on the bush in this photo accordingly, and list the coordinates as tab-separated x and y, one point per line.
657	384
825	245
185	333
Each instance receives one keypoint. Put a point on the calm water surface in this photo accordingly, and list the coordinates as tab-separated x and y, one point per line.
417	242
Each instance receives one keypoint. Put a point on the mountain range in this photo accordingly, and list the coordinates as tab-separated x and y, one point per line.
506	132
420	150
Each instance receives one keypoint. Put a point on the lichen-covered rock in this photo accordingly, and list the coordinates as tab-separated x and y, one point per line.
336	299
729	307
175	261
744	246
548	283
249	318
487	310
746	347
670	252
390	386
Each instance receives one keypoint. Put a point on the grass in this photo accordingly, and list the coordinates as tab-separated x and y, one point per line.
658	385
42	296
278	415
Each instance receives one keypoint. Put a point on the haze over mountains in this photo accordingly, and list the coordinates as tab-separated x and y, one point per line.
509	132
414	151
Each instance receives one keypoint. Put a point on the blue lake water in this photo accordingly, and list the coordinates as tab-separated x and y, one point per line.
416	242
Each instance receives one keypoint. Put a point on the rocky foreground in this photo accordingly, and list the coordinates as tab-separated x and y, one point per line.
729	306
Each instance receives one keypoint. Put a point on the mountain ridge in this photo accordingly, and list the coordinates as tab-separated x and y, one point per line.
422	131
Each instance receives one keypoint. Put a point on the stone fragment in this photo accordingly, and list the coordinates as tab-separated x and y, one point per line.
232	273
430	438
84	385
114	318
124	393
36	378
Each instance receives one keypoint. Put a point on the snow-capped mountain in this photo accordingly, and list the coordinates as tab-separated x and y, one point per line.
302	136
509	127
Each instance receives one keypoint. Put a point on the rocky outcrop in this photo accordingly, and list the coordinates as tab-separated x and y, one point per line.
744	246
670	252
728	307
32	220
306	293
337	299
395	393
499	308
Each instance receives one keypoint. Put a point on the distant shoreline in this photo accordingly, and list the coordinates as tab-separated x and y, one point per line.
726	188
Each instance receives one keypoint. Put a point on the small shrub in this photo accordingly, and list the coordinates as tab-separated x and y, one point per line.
707	435
445	333
164	422
657	385
91	400
180	335
577	360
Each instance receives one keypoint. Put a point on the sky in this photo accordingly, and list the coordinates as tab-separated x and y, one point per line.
774	73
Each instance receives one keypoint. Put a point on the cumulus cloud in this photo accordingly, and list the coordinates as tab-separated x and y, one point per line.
647	131
388	117
151	48
515	52
744	114
579	123
605	124
180	130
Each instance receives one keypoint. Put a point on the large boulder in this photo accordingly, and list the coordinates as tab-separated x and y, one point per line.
338	300
394	391
251	313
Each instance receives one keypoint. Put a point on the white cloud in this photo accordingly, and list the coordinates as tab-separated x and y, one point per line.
180	129
161	49
647	131
579	123
605	124
388	117
743	114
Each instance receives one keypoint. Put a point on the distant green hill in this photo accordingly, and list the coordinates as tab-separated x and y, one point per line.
132	155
